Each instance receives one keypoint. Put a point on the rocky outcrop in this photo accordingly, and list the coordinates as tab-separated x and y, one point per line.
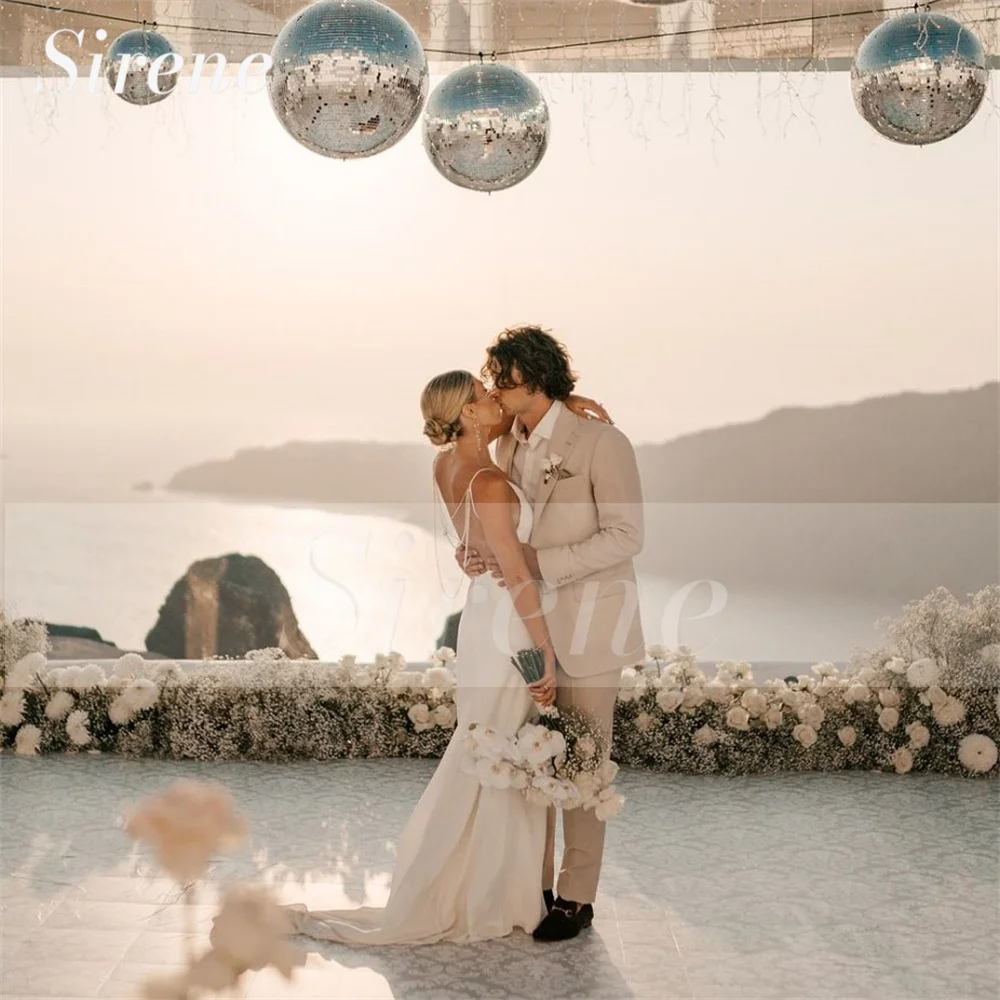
227	606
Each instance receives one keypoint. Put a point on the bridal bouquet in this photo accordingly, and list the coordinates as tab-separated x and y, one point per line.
559	760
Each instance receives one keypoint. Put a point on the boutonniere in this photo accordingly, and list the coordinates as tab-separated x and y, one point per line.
553	467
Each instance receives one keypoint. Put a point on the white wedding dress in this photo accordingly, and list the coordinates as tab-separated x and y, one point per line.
469	861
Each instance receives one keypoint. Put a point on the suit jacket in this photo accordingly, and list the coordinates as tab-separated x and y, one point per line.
588	524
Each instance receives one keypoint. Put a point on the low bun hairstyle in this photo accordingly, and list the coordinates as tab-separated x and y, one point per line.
441	404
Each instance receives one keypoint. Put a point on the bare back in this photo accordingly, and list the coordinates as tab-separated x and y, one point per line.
454	481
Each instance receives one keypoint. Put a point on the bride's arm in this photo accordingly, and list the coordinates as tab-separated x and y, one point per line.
588	408
492	496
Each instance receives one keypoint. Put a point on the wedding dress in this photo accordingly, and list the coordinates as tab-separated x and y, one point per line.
469	860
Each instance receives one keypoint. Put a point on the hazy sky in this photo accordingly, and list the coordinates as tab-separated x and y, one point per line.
190	266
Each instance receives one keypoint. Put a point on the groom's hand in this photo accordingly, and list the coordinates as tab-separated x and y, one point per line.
530	557
470	562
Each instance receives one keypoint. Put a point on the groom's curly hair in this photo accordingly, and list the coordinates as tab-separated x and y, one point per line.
542	361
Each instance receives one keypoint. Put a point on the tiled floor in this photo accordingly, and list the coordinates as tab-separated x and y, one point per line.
795	886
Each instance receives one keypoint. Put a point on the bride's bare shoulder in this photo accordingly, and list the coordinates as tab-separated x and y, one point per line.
490	485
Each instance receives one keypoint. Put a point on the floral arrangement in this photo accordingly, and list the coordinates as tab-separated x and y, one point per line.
561	760
186	825
928	701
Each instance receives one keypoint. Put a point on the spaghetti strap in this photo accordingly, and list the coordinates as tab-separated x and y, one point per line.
468	489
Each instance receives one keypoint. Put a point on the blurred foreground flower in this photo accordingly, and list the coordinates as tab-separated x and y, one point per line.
248	933
185	825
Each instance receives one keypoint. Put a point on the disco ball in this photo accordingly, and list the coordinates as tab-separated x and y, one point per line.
143	47
349	77
486	127
919	77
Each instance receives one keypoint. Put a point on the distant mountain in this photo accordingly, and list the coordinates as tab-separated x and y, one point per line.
908	448
890	496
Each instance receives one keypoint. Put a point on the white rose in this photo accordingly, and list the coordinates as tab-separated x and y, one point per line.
609	805
441	678
656	652
643	721
866	675
897	665
705	736
824	669
902	760
628	680
888	719
812	715
27	740
694	696
977	753
444	716
805	734
935	696
400	683
848	735
790	698
754	702
607	772
922	673
738	718
717	692
774	716
919	735
420	716
444	654
669	699
363	678
856	694
889	698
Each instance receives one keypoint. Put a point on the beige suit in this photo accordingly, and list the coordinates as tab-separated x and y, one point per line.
588	524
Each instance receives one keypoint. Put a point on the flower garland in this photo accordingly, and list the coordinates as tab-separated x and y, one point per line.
936	708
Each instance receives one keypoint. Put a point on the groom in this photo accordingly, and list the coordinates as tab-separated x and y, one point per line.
582	480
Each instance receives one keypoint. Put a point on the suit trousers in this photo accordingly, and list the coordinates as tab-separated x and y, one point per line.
583	833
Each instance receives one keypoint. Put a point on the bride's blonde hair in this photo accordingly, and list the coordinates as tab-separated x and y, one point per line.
441	404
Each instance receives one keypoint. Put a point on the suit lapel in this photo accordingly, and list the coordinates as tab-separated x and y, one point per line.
505	453
564	436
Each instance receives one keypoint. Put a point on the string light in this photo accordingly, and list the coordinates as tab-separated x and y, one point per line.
506	53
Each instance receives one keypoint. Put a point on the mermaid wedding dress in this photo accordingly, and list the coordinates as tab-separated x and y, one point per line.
469	860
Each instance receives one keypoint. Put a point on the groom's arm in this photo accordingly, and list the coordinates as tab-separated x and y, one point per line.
618	495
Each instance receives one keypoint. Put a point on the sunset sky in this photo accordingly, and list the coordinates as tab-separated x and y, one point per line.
190	267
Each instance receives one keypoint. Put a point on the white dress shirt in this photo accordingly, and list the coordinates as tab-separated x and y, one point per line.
529	450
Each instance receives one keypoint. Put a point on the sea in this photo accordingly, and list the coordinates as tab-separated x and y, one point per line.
82	546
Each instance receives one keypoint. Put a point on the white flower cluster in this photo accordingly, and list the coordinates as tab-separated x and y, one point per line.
535	761
669	686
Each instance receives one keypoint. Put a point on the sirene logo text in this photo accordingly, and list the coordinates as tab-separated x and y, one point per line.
158	69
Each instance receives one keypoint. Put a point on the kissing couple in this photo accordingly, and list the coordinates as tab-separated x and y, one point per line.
546	531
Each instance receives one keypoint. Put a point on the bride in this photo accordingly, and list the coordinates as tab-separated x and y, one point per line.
469	861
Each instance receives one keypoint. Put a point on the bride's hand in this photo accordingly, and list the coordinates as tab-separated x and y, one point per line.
587	408
544	691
